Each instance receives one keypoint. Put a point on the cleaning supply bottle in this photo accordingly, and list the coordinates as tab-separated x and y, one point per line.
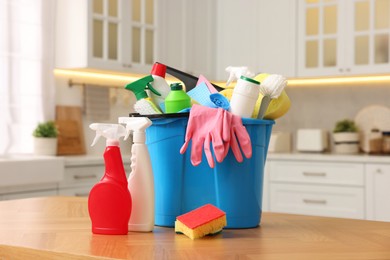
109	202
236	72
141	182
159	83
144	104
244	97
177	99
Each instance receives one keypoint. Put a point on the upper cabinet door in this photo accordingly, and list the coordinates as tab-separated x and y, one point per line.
186	36
105	31
142	31
117	35
338	37
260	34
320	38
369	38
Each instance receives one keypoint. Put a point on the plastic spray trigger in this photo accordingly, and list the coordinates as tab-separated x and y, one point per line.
237	72
134	124
139	86
109	131
150	87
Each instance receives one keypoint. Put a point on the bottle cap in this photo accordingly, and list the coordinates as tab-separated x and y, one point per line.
176	86
250	80
159	70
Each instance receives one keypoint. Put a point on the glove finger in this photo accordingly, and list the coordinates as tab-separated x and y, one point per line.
245	141
235	148
184	147
226	149
218	146
196	152
227	121
207	151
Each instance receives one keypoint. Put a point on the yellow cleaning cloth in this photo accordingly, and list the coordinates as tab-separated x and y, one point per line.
277	107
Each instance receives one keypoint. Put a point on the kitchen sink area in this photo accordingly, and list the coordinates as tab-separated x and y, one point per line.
18	170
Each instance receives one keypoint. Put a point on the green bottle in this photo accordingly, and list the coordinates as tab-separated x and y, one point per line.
177	99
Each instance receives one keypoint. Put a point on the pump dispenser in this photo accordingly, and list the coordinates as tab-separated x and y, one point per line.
141	182
159	83
109	201
144	104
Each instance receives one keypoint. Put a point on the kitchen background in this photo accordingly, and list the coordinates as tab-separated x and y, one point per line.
275	37
335	54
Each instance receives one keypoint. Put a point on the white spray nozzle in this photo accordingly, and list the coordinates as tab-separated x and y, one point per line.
112	132
138	124
236	72
273	85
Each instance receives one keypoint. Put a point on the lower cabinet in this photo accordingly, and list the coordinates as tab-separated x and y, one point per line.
319	200
29	194
79	180
28	191
317	188
378	191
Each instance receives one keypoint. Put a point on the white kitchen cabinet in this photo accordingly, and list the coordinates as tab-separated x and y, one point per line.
82	173
79	179
378	192
317	188
30	194
28	191
338	37
186	37
116	35
259	34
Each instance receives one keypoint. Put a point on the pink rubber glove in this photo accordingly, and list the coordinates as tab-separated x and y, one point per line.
239	137
207	125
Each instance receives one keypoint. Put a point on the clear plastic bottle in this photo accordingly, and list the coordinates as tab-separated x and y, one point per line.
177	99
245	95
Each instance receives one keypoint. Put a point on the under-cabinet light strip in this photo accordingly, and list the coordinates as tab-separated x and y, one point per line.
123	79
339	80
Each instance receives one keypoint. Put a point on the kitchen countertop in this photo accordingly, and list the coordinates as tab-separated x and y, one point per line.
330	157
59	228
80	160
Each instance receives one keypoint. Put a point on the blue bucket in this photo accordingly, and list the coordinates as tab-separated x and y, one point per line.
236	188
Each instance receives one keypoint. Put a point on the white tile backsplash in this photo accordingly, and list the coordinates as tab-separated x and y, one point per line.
322	106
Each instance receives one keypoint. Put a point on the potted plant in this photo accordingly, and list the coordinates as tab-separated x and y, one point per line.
346	137
45	138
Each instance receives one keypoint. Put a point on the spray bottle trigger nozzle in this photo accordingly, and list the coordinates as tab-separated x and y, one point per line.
127	134
150	87
97	136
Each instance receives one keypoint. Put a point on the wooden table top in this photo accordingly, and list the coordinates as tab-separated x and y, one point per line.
60	228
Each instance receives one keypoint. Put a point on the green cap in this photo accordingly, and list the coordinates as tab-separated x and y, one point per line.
250	80
138	87
176	86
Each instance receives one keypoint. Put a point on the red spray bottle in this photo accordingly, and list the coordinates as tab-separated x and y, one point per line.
109	201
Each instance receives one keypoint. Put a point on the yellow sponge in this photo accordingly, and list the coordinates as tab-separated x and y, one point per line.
200	222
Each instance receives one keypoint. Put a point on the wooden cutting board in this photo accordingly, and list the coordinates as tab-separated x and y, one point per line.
71	134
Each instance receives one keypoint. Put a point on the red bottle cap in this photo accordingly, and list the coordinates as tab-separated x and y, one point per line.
159	69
